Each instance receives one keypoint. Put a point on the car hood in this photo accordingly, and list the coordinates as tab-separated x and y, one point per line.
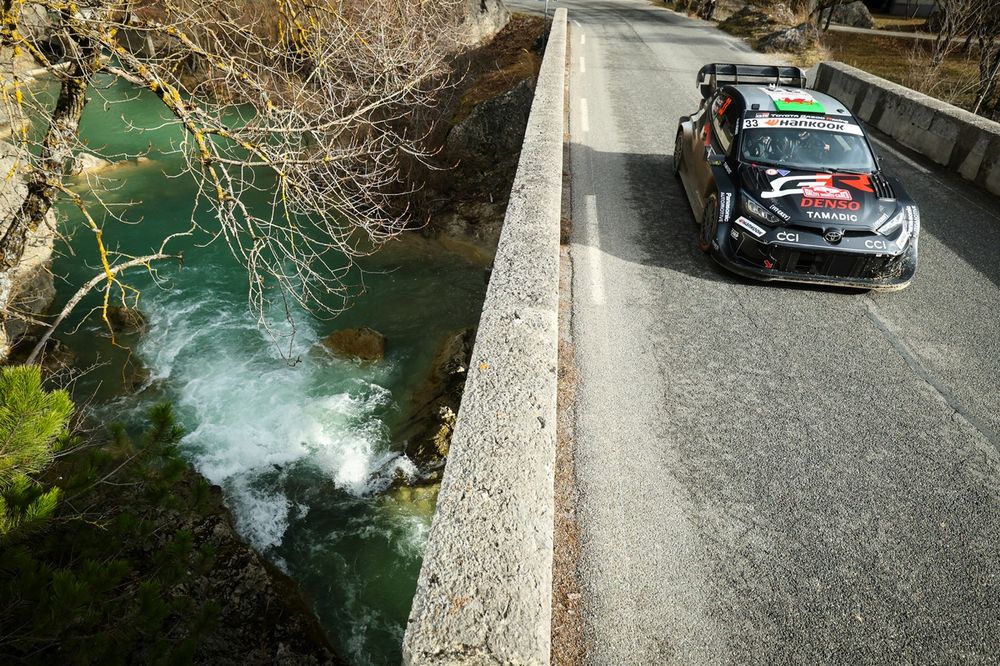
815	198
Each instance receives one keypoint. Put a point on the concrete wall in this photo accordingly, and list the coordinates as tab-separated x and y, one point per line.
485	588
953	137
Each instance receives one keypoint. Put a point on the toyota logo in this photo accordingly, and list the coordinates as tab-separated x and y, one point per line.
833	235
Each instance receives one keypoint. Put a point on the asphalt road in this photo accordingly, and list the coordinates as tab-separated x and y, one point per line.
767	473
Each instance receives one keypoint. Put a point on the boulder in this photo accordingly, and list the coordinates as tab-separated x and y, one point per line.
481	20
758	17
124	319
854	14
88	163
364	343
426	436
485	135
790	40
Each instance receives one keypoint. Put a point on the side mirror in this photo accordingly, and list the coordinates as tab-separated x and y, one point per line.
713	158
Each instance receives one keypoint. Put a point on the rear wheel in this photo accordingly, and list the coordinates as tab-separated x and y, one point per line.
678	153
709	223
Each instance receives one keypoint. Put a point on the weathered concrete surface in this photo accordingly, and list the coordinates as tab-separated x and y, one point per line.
484	592
962	141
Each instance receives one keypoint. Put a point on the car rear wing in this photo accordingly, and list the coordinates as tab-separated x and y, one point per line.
711	76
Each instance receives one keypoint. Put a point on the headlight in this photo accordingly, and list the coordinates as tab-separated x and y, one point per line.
755	210
906	223
893	223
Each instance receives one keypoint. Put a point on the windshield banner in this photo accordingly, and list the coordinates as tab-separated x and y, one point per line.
774	121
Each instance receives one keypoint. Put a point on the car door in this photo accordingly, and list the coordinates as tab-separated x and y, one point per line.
716	133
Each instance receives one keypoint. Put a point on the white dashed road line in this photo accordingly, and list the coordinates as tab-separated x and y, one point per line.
594	252
583	65
584	119
583	38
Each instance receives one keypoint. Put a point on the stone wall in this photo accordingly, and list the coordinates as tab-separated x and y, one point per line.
962	141
484	595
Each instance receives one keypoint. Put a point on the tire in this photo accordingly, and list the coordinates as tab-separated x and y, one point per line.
678	153
709	223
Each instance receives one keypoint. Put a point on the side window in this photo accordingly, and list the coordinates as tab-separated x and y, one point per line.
724	121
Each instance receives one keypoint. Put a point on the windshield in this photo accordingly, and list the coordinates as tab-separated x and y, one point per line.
801	142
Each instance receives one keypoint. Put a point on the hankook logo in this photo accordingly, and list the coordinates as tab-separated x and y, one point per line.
833	235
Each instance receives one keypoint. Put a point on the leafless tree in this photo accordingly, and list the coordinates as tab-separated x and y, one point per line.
956	19
967	22
987	34
323	91
823	11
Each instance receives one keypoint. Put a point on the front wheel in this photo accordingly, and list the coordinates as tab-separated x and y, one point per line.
678	153
709	223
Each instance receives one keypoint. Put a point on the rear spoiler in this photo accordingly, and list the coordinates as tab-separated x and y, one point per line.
710	77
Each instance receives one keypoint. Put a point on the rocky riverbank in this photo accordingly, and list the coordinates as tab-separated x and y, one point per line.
463	200
465	203
262	616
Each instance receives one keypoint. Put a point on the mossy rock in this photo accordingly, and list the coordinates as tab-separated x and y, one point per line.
363	343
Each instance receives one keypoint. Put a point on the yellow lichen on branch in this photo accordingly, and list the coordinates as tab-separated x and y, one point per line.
110	274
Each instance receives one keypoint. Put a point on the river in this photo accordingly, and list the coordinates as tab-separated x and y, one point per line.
293	444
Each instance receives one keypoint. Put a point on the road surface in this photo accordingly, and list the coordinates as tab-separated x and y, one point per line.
769	474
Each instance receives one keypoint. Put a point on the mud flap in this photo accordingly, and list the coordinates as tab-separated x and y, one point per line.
729	201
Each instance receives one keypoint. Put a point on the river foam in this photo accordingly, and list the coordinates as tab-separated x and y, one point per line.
255	415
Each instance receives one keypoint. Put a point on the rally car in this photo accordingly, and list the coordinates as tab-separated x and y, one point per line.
785	185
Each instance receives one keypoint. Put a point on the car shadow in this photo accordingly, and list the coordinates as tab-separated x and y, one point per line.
652	224
655	225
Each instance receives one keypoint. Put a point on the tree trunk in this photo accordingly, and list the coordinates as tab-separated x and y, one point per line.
989	72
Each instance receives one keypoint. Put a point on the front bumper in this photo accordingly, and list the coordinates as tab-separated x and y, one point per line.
861	260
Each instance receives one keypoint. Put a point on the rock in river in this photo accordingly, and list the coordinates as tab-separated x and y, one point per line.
426	435
126	319
362	343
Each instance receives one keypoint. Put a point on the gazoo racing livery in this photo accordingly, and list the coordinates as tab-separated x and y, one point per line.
785	185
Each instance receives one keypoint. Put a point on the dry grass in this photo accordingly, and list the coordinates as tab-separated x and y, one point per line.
511	57
905	61
568	647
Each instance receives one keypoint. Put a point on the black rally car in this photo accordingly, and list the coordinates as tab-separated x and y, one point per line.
785	185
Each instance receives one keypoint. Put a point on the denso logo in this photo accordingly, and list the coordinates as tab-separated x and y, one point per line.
830	203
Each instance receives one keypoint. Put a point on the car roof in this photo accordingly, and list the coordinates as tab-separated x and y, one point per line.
751	94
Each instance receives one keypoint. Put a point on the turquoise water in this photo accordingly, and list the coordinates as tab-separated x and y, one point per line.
298	441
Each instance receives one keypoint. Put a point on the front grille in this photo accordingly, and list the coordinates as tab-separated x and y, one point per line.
829	264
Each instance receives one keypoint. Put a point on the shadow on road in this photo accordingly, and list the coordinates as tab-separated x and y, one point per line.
961	217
